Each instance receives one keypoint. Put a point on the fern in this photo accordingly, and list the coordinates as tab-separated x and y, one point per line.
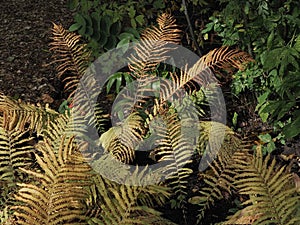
272	198
59	196
122	140
21	116
174	150
219	155
128	204
72	57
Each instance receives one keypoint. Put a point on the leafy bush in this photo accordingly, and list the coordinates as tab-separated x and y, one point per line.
268	30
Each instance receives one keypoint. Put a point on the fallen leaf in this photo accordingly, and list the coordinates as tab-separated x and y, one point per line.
47	98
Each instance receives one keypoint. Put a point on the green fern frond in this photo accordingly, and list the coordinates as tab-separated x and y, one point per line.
71	56
59	196
269	189
122	140
21	116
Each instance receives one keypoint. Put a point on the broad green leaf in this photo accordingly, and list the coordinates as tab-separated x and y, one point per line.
293	129
74	27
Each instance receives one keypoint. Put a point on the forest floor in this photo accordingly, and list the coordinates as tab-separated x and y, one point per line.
25	30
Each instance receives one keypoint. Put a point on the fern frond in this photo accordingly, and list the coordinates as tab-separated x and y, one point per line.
15	153
59	197
122	203
174	150
218	155
122	140
153	45
222	58
21	116
202	72
152	49
270	191
72	56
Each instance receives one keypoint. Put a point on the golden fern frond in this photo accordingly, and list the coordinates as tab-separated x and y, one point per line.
222	58
85	101
69	126
126	202
153	45
15	153
151	50
174	150
22	116
59	196
72	56
218	156
122	140
202	72
271	191
16	150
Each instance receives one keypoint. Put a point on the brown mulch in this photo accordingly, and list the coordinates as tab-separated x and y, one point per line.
25	31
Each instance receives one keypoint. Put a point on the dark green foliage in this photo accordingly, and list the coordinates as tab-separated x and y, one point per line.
269	30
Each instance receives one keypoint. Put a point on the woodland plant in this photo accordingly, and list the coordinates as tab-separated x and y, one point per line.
269	31
56	165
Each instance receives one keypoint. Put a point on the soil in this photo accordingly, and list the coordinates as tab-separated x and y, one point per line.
25	30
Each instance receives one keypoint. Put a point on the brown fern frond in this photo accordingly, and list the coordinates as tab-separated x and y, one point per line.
202	72
272	194
122	140
153	45
17	115
59	196
153	48
174	149
222	58
218	157
72	56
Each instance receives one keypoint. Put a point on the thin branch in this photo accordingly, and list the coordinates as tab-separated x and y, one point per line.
191	28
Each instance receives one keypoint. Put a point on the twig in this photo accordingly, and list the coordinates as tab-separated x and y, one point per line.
191	28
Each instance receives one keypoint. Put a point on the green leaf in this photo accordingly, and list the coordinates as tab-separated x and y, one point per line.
126	36
133	23
115	28
103	39
159	4
293	129
262	99
285	109
118	83
297	44
234	119
131	12
140	19
74	27
111	42
105	24
270	40
73	4
266	138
